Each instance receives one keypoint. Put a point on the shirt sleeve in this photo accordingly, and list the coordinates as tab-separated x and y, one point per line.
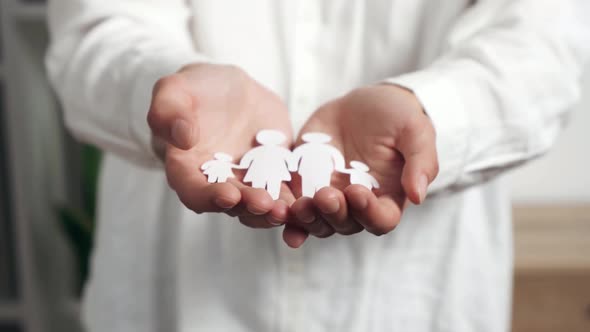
103	60
500	93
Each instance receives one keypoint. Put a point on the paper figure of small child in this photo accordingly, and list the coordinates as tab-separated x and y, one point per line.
219	169
315	161
267	163
359	174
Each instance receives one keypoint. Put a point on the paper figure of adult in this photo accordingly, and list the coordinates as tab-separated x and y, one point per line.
268	163
359	174
219	169
315	161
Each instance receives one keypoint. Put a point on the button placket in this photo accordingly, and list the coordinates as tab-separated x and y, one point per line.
304	71
302	95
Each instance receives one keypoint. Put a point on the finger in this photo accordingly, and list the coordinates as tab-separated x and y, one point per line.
253	202
192	187
253	221
280	211
172	115
304	210
257	209
334	209
320	228
278	214
294	236
257	201
418	146
377	215
308	218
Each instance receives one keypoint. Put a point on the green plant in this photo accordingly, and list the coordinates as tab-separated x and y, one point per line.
77	222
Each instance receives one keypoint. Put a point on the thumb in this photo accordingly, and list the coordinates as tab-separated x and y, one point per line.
418	146
172	115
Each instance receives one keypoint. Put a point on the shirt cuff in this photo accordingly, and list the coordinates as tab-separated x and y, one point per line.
441	99
153	69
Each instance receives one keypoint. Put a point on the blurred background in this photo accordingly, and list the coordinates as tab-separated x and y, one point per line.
48	185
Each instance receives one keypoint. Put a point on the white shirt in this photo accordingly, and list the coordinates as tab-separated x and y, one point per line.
496	77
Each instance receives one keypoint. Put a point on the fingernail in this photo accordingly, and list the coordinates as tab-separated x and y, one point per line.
224	204
181	133
274	221
331	207
360	204
306	219
422	187
256	210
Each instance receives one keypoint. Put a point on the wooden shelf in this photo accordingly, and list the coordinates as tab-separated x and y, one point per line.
552	268
552	238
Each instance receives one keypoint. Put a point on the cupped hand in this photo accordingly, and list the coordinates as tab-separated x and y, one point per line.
385	127
203	109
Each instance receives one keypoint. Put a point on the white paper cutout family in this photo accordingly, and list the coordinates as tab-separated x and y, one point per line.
270	164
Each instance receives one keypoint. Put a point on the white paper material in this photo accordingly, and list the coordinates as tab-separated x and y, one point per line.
359	174
219	169
315	161
270	164
267	163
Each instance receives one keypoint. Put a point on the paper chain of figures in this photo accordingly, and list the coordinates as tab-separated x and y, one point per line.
270	164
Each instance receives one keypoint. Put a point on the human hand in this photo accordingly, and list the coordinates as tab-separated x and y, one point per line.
203	109
385	127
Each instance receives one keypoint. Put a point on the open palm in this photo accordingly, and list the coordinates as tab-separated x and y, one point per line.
384	127
205	109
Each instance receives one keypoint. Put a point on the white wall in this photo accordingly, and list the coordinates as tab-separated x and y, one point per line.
563	175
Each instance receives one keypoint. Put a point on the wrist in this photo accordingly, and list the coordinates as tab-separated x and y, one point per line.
406	94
